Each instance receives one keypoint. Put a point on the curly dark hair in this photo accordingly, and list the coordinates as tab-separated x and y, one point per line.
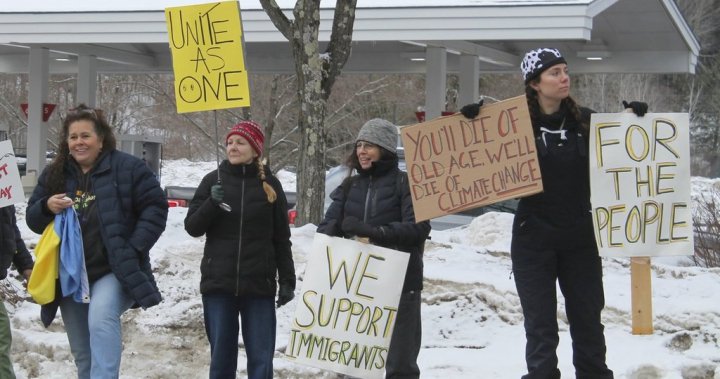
56	175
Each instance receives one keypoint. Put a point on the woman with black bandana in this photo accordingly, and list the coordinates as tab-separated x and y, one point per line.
552	239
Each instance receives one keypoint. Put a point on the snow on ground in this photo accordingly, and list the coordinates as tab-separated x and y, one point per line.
472	320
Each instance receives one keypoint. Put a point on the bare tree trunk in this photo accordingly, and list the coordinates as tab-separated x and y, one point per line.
316	75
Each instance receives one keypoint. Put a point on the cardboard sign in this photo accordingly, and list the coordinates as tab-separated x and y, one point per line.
347	307
640	184
11	189
208	60
455	164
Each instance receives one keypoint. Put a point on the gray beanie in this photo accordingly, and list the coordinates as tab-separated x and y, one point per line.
380	132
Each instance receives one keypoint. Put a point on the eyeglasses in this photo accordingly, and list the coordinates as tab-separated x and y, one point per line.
365	146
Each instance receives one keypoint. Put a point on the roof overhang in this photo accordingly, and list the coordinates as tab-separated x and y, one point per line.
632	36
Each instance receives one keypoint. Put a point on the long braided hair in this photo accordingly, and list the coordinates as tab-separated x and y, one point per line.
269	191
567	104
56	176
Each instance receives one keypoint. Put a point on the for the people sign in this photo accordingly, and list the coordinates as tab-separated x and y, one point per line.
208	60
640	184
454	163
347	307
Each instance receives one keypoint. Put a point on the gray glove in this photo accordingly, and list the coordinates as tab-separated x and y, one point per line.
217	194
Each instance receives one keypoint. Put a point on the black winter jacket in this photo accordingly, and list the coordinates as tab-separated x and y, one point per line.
561	213
374	199
132	210
12	246
248	248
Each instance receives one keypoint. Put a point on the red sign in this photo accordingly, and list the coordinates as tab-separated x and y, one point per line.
47	110
421	115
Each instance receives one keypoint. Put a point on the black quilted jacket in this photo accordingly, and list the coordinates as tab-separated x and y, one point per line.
247	250
376	198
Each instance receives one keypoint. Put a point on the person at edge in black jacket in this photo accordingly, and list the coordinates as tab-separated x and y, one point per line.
552	233
376	204
246	250
12	251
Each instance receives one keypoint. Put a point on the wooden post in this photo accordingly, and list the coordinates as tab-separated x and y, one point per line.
641	295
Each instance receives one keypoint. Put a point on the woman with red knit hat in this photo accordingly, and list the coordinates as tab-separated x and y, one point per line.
247	253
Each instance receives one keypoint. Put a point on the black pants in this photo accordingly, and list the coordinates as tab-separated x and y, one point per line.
405	340
536	268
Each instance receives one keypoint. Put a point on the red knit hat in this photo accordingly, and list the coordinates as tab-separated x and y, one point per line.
252	132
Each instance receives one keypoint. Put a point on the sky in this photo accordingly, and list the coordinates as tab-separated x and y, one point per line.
472	320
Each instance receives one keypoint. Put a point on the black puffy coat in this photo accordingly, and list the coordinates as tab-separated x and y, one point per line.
132	210
376	198
248	248
12	246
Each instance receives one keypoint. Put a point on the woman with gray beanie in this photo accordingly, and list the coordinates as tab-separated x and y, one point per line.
375	203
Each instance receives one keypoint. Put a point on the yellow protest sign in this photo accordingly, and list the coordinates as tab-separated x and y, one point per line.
455	164
208	60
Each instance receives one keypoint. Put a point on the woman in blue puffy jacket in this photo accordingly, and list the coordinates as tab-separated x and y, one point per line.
122	211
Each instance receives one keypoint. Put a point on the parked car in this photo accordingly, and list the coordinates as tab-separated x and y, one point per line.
465	217
21	159
178	196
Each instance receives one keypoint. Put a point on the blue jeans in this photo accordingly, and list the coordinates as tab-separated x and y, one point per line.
94	329
258	332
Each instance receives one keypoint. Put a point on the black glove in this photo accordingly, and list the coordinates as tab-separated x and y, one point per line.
638	107
330	229
285	294
354	227
217	194
471	110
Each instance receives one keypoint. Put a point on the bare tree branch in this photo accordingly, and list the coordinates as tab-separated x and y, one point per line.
340	42
278	18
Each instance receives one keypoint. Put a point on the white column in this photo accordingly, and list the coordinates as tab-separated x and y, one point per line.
87	80
469	79
435	81
37	95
